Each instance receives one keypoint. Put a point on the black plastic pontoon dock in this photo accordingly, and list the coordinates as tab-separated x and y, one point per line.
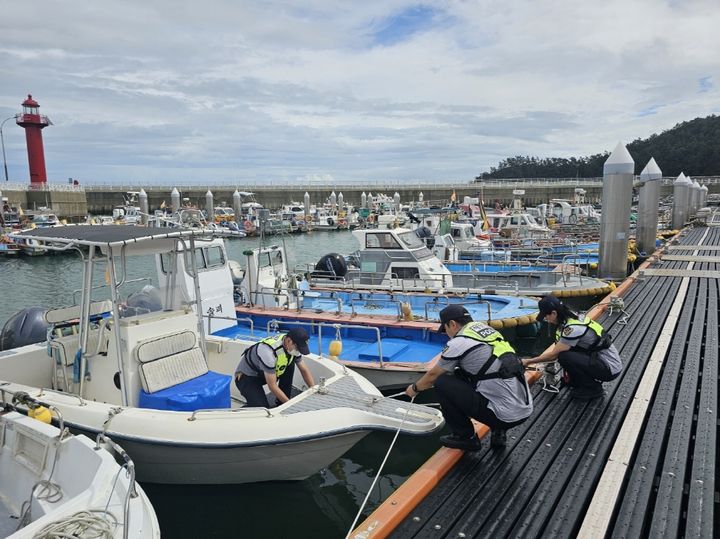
640	462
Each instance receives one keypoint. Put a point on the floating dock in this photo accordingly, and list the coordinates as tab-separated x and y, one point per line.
641	462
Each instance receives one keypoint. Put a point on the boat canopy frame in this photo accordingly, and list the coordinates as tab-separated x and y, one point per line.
115	243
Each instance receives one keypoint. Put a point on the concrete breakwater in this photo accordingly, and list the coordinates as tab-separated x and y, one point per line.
75	202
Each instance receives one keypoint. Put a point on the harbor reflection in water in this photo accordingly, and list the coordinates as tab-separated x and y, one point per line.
322	506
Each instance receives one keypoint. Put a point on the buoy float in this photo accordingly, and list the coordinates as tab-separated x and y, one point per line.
406	310
335	349
41	414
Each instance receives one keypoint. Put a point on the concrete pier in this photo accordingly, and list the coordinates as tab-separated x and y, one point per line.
76	202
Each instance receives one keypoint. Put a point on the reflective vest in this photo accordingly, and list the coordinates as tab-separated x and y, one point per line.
487	335
282	358
510	364
601	342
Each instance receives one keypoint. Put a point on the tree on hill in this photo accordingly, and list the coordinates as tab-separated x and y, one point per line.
690	147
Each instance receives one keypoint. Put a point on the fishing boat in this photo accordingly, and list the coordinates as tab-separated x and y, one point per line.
55	484
159	384
390	338
398	260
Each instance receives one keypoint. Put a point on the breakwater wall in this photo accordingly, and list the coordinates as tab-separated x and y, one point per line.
75	202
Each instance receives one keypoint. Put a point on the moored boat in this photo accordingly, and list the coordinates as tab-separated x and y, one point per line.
55	484
160	386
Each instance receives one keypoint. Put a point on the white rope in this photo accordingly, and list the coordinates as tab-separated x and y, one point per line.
377	476
92	524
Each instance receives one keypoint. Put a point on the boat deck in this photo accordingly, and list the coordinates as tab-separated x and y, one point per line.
8	520
641	462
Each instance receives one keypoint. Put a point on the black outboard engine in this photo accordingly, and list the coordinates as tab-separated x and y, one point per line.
412	218
425	234
24	327
331	265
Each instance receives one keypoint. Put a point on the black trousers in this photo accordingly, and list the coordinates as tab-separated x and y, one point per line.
252	387
584	369
460	402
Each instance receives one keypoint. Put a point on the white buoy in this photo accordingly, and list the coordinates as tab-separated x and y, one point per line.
210	206
703	196
237	206
144	207
363	200
396	201
341	200
649	200
333	201
615	224
175	200
696	196
681	197
369	199
421	197
306	203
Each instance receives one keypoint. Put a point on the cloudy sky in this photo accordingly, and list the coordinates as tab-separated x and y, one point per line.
226	91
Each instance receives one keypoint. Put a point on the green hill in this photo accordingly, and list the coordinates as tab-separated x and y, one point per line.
692	147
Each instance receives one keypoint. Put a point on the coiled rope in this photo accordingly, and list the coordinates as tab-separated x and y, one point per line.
91	524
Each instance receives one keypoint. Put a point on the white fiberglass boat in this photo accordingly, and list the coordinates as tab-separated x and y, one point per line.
54	484
158	386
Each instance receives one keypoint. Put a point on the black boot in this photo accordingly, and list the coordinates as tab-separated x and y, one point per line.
498	438
461	442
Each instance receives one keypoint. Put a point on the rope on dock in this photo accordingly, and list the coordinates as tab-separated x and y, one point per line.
377	476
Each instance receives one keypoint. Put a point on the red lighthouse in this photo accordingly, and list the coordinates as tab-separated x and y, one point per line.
33	122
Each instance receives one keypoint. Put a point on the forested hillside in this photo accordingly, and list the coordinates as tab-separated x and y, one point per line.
692	147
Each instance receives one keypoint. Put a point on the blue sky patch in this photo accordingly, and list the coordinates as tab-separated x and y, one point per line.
405	24
705	84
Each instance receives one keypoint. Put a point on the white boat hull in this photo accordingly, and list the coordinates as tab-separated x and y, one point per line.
183	464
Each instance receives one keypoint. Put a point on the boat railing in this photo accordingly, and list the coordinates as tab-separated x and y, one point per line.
22	397
102	441
271	291
211	317
395	302
435	301
274	325
97	287
216	411
301	301
564	264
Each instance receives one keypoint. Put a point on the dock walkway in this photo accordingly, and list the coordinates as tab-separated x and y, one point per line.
641	462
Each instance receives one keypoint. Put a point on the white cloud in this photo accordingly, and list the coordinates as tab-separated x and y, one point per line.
223	90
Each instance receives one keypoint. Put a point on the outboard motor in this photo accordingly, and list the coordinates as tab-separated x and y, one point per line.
412	218
24	327
331	265
425	234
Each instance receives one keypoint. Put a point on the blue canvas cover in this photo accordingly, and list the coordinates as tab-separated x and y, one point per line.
211	390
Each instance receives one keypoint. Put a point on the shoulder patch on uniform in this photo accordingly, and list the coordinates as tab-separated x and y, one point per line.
567	331
445	349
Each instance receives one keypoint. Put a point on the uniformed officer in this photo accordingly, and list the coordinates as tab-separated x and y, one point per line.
582	347
272	361
478	376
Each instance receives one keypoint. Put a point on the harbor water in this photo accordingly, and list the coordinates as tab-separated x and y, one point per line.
322	506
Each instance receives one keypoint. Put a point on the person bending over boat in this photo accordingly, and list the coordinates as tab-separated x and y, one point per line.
478	376
582	347
272	361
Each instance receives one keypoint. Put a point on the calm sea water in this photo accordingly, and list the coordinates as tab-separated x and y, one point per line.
322	506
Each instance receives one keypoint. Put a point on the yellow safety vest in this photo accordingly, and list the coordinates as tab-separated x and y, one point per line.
282	358
587	322
485	334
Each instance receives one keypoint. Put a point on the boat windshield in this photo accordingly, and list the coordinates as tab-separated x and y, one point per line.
411	241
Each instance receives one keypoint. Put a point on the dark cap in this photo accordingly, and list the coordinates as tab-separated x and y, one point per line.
548	304
454	311
300	337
